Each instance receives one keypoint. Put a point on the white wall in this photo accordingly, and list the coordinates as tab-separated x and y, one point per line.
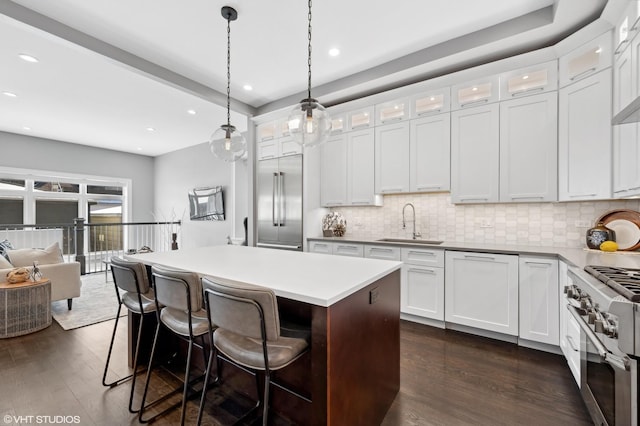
536	224
180	171
19	151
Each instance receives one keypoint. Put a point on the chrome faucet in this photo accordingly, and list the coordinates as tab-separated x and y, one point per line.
404	223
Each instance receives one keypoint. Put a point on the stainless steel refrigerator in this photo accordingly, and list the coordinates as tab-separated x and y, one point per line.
279	200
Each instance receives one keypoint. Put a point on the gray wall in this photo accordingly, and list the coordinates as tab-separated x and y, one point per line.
180	171
28	152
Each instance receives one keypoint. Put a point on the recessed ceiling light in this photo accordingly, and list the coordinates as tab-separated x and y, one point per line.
191	111
475	89
139	149
28	58
26	128
599	50
151	129
524	77
334	51
10	94
433	98
247	87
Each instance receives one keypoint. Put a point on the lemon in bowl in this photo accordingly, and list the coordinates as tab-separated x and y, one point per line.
609	246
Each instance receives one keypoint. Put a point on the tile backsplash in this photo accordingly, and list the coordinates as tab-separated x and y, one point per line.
537	224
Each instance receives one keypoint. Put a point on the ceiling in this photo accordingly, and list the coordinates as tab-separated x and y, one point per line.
109	70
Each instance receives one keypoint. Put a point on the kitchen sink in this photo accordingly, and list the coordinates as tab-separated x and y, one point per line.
409	241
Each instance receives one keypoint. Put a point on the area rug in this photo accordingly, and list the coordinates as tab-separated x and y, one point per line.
97	303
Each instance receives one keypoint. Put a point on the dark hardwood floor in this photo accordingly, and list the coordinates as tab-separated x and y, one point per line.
447	378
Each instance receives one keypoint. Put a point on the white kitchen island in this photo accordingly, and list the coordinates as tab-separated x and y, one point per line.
352	306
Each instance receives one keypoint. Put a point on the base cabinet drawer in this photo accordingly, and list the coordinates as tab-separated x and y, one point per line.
320	247
342	249
382	252
422	291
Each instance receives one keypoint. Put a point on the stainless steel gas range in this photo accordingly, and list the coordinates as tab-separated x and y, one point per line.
607	310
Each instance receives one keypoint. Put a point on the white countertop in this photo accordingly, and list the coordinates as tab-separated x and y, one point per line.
306	277
575	256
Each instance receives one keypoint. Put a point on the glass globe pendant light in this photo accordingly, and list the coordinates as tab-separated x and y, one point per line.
227	143
309	123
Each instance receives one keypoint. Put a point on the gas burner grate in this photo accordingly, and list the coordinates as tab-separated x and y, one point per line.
625	281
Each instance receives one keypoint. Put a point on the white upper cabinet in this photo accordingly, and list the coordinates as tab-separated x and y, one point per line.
360	119
586	60
623	81
626	160
529	81
392	158
584	145
267	131
338	123
273	140
347	170
474	93
475	145
333	171
528	149
392	111
430	148
430	103
361	168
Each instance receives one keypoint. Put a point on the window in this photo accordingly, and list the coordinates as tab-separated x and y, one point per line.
40	186
11	211
11	185
99	189
58	212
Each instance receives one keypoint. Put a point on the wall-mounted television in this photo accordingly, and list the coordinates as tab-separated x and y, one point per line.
206	203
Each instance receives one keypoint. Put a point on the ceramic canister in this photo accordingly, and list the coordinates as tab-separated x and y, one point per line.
599	234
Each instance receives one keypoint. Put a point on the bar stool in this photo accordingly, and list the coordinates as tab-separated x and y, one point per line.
137	297
180	292
248	333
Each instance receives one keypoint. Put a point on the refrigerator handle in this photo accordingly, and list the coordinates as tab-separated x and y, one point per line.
273	200
282	209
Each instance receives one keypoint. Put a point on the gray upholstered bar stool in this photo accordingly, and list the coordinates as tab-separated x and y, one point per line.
138	297
248	333
180	292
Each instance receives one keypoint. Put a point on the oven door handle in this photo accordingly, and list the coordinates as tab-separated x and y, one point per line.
613	360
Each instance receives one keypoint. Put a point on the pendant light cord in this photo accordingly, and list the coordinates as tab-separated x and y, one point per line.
309	60
229	70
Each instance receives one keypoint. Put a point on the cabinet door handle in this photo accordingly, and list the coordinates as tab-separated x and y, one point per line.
431	111
422	271
347	247
488	258
289	152
572	344
422	188
424	253
526	197
360	202
536	263
583	73
266	138
620	49
391	190
360	125
389	120
525	91
475	199
264	157
634	188
481	101
273	199
582	195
